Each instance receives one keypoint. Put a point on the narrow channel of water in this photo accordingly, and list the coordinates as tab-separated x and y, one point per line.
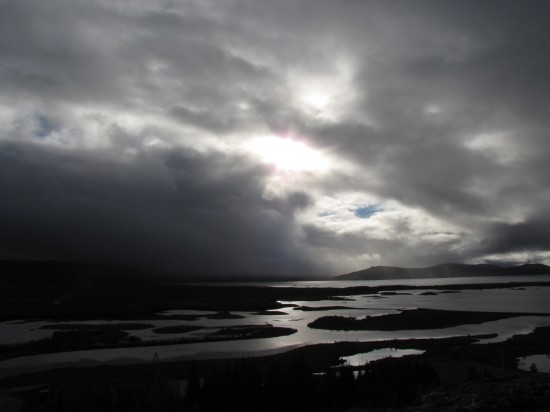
362	358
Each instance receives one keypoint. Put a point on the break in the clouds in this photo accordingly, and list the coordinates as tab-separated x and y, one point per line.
280	137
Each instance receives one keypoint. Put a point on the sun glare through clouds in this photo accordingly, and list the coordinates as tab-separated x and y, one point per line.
287	154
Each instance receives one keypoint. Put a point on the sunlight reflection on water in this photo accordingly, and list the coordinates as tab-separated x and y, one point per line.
527	300
361	358
541	362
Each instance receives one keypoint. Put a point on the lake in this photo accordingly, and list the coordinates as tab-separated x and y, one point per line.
505	299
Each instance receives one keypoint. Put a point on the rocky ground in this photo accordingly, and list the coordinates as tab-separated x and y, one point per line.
526	393
529	392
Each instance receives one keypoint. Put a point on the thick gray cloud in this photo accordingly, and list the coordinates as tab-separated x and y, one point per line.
173	209
125	133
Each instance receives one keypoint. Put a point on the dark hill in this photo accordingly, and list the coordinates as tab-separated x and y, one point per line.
444	271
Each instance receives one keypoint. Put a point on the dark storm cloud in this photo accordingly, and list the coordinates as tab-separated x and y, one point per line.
531	235
123	125
176	210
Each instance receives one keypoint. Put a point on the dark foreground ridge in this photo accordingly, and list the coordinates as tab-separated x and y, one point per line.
444	271
528	393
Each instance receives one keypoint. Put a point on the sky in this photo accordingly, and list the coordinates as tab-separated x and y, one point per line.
280	137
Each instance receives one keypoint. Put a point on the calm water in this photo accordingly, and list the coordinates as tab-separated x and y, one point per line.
525	300
541	362
361	358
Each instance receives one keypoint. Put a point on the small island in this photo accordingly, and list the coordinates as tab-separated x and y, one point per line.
415	319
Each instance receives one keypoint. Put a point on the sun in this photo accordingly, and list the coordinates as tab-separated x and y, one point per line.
316	100
287	154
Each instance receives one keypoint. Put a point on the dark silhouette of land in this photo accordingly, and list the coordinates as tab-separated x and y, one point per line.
60	271
444	271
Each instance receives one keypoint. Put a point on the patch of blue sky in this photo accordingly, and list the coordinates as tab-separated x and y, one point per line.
43	126
367	211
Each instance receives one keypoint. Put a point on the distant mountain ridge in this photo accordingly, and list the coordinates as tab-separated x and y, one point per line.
446	270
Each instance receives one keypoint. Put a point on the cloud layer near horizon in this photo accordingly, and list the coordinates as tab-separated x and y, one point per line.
125	133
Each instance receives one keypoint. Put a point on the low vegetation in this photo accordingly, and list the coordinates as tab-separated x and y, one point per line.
99	326
177	329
